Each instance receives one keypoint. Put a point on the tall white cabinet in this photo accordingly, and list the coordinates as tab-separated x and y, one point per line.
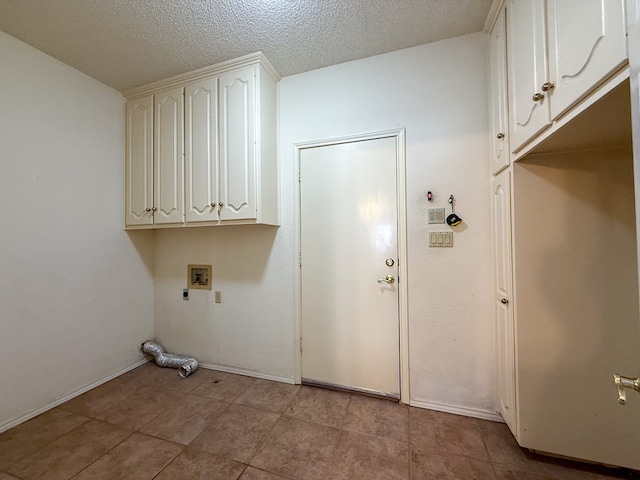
502	297
564	241
212	136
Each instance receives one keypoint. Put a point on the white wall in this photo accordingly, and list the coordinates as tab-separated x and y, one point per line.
438	93
76	291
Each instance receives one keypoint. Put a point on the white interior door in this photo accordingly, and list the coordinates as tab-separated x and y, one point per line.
349	253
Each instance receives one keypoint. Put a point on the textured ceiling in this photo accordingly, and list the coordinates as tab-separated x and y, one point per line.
126	43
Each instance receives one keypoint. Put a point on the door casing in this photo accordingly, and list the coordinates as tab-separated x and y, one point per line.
403	317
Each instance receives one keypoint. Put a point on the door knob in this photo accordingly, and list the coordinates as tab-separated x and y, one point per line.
547	86
504	301
388	279
625	382
537	96
500	136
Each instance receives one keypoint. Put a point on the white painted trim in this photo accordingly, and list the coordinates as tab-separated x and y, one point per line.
218	68
247	373
34	413
494	11
457	410
403	311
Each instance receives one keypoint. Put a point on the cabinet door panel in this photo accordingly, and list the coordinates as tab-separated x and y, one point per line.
498	92
237	145
139	162
201	150
168	156
586	43
527	64
503	309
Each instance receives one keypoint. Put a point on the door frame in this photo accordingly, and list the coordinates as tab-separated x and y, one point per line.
403	300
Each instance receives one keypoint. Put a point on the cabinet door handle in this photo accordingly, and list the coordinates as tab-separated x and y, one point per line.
147	209
213	205
221	204
546	86
504	301
154	209
500	136
537	96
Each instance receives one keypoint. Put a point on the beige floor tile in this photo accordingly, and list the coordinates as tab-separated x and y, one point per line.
196	465
318	405
300	449
381	418
372	458
139	457
168	378
445	466
267	395
224	386
20	441
6	476
140	408
71	453
437	432
252	473
103	397
504	450
509	472
236	433
185	419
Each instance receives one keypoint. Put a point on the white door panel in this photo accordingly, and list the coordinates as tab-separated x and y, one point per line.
139	162
168	156
348	230
201	150
587	42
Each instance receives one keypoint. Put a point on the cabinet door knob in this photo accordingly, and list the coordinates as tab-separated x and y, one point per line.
147	209
213	205
154	209
547	86
504	301
500	136
537	96
221	204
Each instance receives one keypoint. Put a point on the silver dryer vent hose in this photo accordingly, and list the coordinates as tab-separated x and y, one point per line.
185	365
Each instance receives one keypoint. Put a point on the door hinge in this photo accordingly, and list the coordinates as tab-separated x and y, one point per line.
300	259
300	344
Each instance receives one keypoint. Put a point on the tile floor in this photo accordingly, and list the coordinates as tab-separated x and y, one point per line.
151	424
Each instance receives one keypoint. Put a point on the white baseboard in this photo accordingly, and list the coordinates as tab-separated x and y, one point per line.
457	410
34	413
246	372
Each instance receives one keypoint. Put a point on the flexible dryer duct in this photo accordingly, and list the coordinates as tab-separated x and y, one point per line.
185	365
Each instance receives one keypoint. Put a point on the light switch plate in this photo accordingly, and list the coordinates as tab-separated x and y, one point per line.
440	239
436	215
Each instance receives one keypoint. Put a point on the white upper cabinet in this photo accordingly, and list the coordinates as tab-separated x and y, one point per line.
201	150
587	42
237	145
139	162
559	51
211	135
527	70
168	157
498	95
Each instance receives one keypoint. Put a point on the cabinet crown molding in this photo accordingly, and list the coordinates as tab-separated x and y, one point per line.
492	16
181	79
